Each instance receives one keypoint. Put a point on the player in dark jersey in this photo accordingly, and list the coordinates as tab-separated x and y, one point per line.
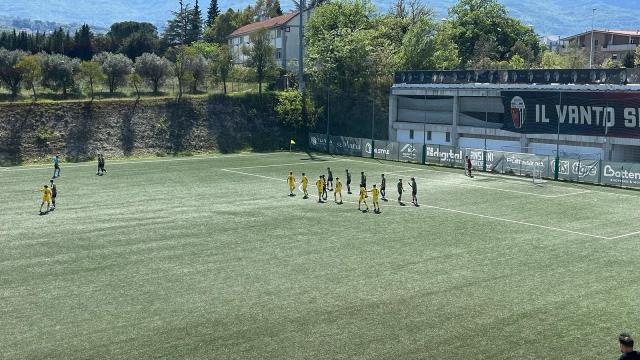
329	179
383	187
400	190
324	188
414	192
54	194
468	167
363	182
348	182
626	348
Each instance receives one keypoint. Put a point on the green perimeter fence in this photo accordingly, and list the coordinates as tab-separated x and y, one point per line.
587	170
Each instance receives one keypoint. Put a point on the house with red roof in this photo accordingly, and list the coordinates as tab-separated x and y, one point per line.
607	44
284	33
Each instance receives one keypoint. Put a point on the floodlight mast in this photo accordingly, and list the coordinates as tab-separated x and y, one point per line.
302	6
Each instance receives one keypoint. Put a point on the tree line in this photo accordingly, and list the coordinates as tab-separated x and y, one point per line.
351	48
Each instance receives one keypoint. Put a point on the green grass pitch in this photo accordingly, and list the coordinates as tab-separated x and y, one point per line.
208	258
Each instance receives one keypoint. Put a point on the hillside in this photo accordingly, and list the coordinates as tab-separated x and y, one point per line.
550	17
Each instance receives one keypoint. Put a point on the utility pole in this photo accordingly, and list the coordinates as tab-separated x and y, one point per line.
591	60
302	5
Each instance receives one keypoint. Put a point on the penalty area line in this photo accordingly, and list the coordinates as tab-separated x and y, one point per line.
141	161
625	235
461	212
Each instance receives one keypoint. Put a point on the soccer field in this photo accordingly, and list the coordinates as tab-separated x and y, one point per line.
208	258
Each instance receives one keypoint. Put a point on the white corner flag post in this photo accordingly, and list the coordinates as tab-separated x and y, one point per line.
291	143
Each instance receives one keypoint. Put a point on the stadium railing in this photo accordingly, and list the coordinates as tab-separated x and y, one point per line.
570	168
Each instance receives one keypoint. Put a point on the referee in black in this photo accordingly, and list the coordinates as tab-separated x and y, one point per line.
348	182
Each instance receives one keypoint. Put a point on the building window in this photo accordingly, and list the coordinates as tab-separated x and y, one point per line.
596	42
633	41
411	134
429	135
448	137
614	57
279	54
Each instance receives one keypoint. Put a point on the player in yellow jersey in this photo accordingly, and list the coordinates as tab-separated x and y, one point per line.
292	183
375	193
46	198
363	198
304	181
320	186
338	190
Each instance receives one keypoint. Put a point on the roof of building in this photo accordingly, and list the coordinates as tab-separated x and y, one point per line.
266	24
607	31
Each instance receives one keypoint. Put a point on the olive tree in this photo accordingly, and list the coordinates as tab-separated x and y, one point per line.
116	68
58	71
10	74
153	69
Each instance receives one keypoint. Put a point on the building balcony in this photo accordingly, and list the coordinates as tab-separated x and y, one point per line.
618	48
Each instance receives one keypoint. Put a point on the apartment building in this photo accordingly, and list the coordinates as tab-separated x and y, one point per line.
607	44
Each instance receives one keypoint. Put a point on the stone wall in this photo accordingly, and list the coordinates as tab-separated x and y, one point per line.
79	130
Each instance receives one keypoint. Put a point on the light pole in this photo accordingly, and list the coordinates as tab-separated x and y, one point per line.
557	164
591	60
486	120
302	5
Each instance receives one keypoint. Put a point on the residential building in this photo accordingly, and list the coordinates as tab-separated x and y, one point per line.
285	37
552	42
607	44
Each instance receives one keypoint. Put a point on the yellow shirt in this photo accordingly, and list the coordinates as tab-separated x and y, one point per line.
291	180
46	193
338	186
319	184
363	193
304	181
374	193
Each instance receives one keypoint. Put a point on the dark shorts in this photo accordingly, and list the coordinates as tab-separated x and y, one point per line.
56	166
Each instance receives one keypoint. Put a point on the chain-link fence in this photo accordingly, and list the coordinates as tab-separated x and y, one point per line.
575	168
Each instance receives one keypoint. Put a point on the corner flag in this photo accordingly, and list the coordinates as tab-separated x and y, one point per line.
293	142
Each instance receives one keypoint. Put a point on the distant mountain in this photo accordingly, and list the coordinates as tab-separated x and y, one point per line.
549	17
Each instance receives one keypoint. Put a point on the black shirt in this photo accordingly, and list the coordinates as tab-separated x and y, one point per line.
348	178
330	176
399	187
384	183
634	355
414	187
363	180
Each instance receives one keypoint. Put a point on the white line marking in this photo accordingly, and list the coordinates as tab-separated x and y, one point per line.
276	165
571	194
459	212
498	176
121	162
492	188
625	235
260	176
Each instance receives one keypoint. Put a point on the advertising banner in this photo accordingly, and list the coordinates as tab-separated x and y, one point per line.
445	155
518	163
318	142
574	113
410	152
586	170
477	157
344	145
385	150
620	174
